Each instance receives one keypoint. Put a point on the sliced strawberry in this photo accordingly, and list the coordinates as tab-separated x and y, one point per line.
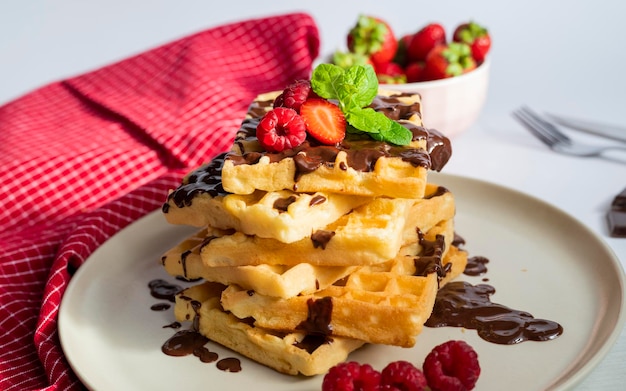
324	121
373	37
476	36
425	40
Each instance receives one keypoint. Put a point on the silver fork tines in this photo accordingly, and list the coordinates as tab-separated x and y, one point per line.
556	140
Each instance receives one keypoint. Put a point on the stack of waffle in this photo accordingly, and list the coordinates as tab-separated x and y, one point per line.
307	254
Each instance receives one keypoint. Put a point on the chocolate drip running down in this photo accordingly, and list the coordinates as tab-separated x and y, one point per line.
206	179
430	258
317	325
461	304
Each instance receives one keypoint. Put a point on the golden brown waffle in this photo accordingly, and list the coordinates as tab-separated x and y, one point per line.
291	353
282	215
272	280
386	304
372	233
358	166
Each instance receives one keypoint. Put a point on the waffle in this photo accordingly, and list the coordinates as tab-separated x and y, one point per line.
273	280
358	166
386	305
282	215
372	233
291	353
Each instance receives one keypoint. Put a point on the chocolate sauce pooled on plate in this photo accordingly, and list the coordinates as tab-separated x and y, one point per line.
162	289
476	266
229	364
461	304
160	307
205	355
184	343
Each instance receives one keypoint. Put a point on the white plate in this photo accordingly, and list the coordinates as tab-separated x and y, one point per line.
541	260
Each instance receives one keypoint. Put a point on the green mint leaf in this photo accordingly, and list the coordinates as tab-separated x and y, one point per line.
397	134
327	80
366	120
355	88
361	86
378	126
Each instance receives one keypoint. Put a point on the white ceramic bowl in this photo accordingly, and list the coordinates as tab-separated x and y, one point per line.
451	105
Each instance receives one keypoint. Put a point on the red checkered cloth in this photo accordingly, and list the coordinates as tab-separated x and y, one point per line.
83	158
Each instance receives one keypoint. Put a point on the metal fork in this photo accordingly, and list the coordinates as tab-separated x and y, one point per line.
557	140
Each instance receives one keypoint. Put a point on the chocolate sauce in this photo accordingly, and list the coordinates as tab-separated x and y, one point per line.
282	204
476	266
316	200
205	355
173	325
320	238
458	240
183	343
439	191
461	304
160	307
207	179
229	364
162	289
362	152
430	258
311	342
318	321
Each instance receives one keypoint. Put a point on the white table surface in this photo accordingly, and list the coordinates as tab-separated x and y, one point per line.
558	56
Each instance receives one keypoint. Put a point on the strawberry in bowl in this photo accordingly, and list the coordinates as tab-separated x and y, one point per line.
449	71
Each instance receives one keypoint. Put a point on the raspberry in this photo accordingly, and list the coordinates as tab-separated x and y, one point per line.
402	376
280	129
294	95
452	365
351	376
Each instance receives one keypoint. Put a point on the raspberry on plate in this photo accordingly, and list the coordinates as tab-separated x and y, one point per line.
452	365
402	376
351	376
281	128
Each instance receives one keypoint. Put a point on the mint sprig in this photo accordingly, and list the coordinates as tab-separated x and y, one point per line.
355	88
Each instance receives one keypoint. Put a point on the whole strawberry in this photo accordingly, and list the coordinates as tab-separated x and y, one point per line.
390	73
423	41
449	60
373	37
476	36
414	72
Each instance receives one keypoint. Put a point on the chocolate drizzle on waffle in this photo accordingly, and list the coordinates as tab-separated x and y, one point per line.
431	257
206	179
362	151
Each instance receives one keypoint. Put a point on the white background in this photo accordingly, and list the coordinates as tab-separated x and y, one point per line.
559	56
